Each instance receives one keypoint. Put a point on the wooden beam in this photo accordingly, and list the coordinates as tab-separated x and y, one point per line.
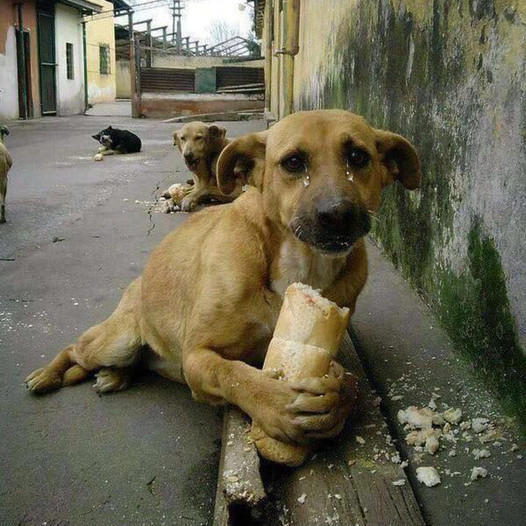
350	480
240	491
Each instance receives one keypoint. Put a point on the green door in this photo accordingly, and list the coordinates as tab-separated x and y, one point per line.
47	63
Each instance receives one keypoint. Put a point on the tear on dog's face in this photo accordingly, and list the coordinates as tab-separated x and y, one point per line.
321	174
197	141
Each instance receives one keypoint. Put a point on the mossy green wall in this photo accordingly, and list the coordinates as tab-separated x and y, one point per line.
450	76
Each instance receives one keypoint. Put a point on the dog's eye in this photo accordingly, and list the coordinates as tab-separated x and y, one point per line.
357	157
183	138
294	163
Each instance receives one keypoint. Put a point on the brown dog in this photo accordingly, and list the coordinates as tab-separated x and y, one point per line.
318	175
5	164
200	146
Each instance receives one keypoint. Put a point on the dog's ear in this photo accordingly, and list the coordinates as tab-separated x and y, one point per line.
243	157
109	128
176	139
216	132
400	159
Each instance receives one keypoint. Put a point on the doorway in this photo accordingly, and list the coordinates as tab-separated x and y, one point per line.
47	61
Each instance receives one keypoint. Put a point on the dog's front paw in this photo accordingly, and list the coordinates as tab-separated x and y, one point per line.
323	404
43	381
188	204
98	157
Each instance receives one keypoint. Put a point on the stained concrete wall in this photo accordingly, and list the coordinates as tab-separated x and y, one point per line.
100	31
70	92
8	75
122	79
165	60
8	58
450	76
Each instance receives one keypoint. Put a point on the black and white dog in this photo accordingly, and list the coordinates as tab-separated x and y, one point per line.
116	141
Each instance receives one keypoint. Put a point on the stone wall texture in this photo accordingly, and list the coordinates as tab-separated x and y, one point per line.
450	76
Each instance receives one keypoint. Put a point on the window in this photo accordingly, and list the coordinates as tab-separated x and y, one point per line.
69	61
104	59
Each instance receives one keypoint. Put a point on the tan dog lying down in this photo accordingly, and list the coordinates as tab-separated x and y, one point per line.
200	146
207	302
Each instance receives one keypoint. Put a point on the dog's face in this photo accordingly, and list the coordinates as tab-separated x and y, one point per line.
3	133
321	174
104	137
196	141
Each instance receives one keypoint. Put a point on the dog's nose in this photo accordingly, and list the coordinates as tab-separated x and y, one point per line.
341	216
189	156
335	214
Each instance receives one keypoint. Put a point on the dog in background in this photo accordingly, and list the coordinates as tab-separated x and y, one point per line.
200	146
5	164
207	302
114	141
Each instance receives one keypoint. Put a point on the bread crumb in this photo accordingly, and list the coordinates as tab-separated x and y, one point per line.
359	439
301	498
452	415
479	424
481	453
478	473
428	476
399	482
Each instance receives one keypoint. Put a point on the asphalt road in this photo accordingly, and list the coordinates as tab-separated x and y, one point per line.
78	232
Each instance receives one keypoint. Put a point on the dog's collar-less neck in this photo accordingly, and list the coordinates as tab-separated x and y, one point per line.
295	261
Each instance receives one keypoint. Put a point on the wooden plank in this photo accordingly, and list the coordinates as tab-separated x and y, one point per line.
349	482
240	494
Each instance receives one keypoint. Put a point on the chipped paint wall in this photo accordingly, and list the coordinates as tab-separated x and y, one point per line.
450	76
8	58
8	75
100	31
70	92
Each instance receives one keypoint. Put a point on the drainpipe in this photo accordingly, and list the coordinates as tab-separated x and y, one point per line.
267	25
289	49
22	64
134	96
85	65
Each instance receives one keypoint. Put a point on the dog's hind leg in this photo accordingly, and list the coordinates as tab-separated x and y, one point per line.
111	379
113	345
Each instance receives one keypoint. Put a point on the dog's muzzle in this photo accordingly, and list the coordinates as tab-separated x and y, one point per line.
191	161
105	140
332	227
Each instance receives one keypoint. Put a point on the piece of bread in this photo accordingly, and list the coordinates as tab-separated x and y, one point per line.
307	317
177	192
307	336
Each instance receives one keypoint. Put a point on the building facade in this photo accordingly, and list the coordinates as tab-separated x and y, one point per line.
100	52
42	70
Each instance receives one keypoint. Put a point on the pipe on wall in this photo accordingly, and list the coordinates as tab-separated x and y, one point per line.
289	49
85	65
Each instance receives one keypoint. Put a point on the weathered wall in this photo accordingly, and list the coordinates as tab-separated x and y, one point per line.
8	58
100	31
166	105
70	92
123	81
450	76
165	60
8	75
